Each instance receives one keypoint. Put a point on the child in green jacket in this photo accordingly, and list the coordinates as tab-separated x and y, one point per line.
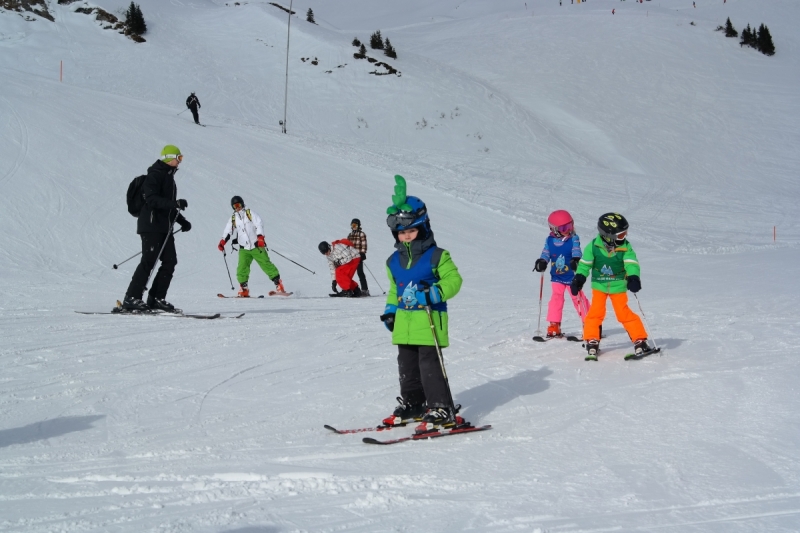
615	269
422	279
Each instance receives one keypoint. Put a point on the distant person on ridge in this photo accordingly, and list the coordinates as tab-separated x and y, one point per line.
194	104
359	240
160	212
250	237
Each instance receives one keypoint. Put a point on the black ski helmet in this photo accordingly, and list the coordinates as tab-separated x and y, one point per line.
324	247
610	226
237	200
356	222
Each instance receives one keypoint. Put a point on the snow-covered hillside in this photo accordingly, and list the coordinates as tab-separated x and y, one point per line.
503	112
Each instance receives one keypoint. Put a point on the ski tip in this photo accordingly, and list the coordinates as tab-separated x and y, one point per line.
219	294
537	338
370	440
326	426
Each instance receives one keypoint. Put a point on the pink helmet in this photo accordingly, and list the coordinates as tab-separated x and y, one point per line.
561	224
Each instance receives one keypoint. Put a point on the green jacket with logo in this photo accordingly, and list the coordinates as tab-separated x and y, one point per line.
412	326
609	269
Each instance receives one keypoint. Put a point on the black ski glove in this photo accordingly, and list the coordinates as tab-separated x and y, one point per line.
634	284
541	265
577	284
181	204
573	263
363	256
185	225
333	286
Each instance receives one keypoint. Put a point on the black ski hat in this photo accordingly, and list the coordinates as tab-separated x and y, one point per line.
237	200
324	247
355	221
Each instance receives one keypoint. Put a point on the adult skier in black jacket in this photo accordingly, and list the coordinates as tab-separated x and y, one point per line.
194	104
160	212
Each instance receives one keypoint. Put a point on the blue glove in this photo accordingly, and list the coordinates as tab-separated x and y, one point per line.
430	296
388	316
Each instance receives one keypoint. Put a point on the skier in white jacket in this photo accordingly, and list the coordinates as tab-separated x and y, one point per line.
250	236
343	260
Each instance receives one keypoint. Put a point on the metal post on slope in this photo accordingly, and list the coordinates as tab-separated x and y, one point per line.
286	88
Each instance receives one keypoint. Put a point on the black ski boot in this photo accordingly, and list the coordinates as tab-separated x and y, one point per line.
134	304
440	417
160	304
592	349
641	347
404	412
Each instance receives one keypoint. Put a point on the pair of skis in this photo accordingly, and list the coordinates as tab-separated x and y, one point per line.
432	433
629	356
270	293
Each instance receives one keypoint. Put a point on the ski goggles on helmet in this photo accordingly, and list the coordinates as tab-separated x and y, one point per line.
167	157
238	205
405	219
564	230
610	237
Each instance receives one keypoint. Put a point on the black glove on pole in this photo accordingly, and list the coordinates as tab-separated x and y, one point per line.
541	265
634	284
577	284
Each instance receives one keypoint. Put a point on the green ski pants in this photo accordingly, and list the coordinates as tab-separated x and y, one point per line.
261	257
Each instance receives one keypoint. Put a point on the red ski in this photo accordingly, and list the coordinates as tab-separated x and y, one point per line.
428	435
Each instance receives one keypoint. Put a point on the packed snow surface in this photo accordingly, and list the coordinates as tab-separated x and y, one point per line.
501	112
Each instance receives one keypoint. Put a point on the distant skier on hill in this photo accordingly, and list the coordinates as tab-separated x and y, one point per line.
615	269
194	104
422	277
250	237
156	219
343	260
359	240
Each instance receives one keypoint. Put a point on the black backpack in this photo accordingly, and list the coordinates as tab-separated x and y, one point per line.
136	196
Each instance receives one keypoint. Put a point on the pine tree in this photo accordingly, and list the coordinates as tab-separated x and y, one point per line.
389	50
747	37
376	41
764	41
310	16
134	20
140	20
356	42
362	50
730	31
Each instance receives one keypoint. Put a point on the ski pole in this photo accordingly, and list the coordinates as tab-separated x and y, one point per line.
225	258
150	277
296	263
539	323
373	277
137	253
647	327
441	357
184	111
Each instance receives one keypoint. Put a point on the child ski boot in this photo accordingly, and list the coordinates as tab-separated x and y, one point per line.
641	349
244	292
404	413
554	330
437	418
592	350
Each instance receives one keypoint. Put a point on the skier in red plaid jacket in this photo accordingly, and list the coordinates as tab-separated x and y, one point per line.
359	240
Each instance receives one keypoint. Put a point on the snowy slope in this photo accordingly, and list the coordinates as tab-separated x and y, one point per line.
166	424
